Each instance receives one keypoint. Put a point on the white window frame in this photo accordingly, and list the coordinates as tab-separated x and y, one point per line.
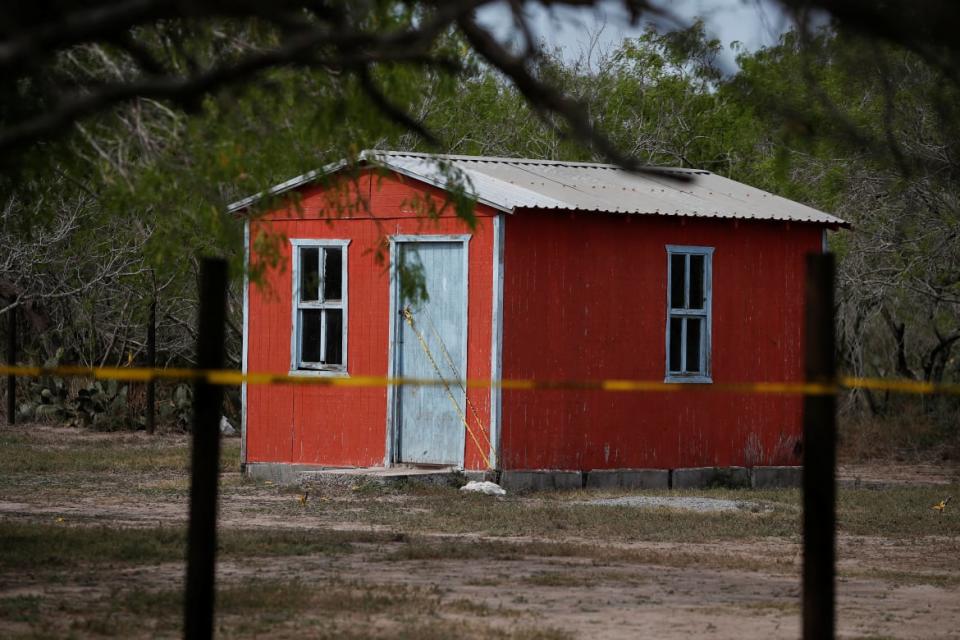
297	366
706	314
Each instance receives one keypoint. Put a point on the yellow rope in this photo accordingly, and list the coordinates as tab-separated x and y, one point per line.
408	316
233	377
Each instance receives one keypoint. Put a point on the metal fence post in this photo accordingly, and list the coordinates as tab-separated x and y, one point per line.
152	363
205	462
12	360
819	454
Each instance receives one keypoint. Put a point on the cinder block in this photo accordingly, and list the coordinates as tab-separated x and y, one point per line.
628	479
525	481
776	477
705	477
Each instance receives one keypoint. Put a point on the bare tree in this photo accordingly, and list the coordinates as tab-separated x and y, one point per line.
185	51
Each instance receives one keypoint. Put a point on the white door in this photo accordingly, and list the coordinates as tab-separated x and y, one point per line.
428	423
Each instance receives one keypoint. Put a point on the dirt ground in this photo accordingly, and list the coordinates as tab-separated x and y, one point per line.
91	535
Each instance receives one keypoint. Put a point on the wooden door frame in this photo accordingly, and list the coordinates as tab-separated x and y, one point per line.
393	397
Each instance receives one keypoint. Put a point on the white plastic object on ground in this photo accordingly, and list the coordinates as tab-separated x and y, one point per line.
484	487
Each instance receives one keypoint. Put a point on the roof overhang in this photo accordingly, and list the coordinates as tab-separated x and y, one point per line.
367	158
512	184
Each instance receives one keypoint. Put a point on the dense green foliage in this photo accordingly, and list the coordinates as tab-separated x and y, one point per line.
870	133
119	210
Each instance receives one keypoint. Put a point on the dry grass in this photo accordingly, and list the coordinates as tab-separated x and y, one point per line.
416	563
35	546
34	450
898	512
274	608
907	434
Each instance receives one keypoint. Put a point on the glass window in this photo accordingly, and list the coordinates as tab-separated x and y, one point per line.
332	268
309	274
688	313
320	332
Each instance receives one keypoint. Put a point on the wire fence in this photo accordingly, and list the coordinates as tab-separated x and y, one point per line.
819	389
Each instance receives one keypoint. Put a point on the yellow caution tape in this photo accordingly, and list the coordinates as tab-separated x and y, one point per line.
233	377
901	386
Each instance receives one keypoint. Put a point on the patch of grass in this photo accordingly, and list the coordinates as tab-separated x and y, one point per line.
558	579
249	596
782	606
424	549
34	546
441	629
580	577
174	487
898	512
538	633
141	602
20	608
335	609
562	518
471	607
25	453
294	542
489	582
109	625
942	580
895	512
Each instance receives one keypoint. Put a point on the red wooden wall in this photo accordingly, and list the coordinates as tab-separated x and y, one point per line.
585	297
341	426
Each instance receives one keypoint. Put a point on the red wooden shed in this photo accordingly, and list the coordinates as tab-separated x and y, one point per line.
571	271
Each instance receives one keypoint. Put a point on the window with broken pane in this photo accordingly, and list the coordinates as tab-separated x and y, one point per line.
689	290
320	296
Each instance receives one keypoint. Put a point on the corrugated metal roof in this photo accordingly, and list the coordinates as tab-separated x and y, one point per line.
509	184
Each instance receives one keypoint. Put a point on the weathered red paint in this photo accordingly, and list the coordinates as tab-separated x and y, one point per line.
585	297
347	426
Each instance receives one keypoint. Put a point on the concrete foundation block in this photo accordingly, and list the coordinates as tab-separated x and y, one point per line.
318	476
333	480
393	478
628	479
277	473
776	477
705	477
526	481
488	475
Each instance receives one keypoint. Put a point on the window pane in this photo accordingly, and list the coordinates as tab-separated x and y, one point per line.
676	281
309	274
676	335
334	329
694	332
697	274
332	274
310	335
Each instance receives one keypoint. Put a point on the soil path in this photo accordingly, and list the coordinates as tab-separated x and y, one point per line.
902	587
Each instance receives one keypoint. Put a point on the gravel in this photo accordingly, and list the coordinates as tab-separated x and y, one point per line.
685	503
